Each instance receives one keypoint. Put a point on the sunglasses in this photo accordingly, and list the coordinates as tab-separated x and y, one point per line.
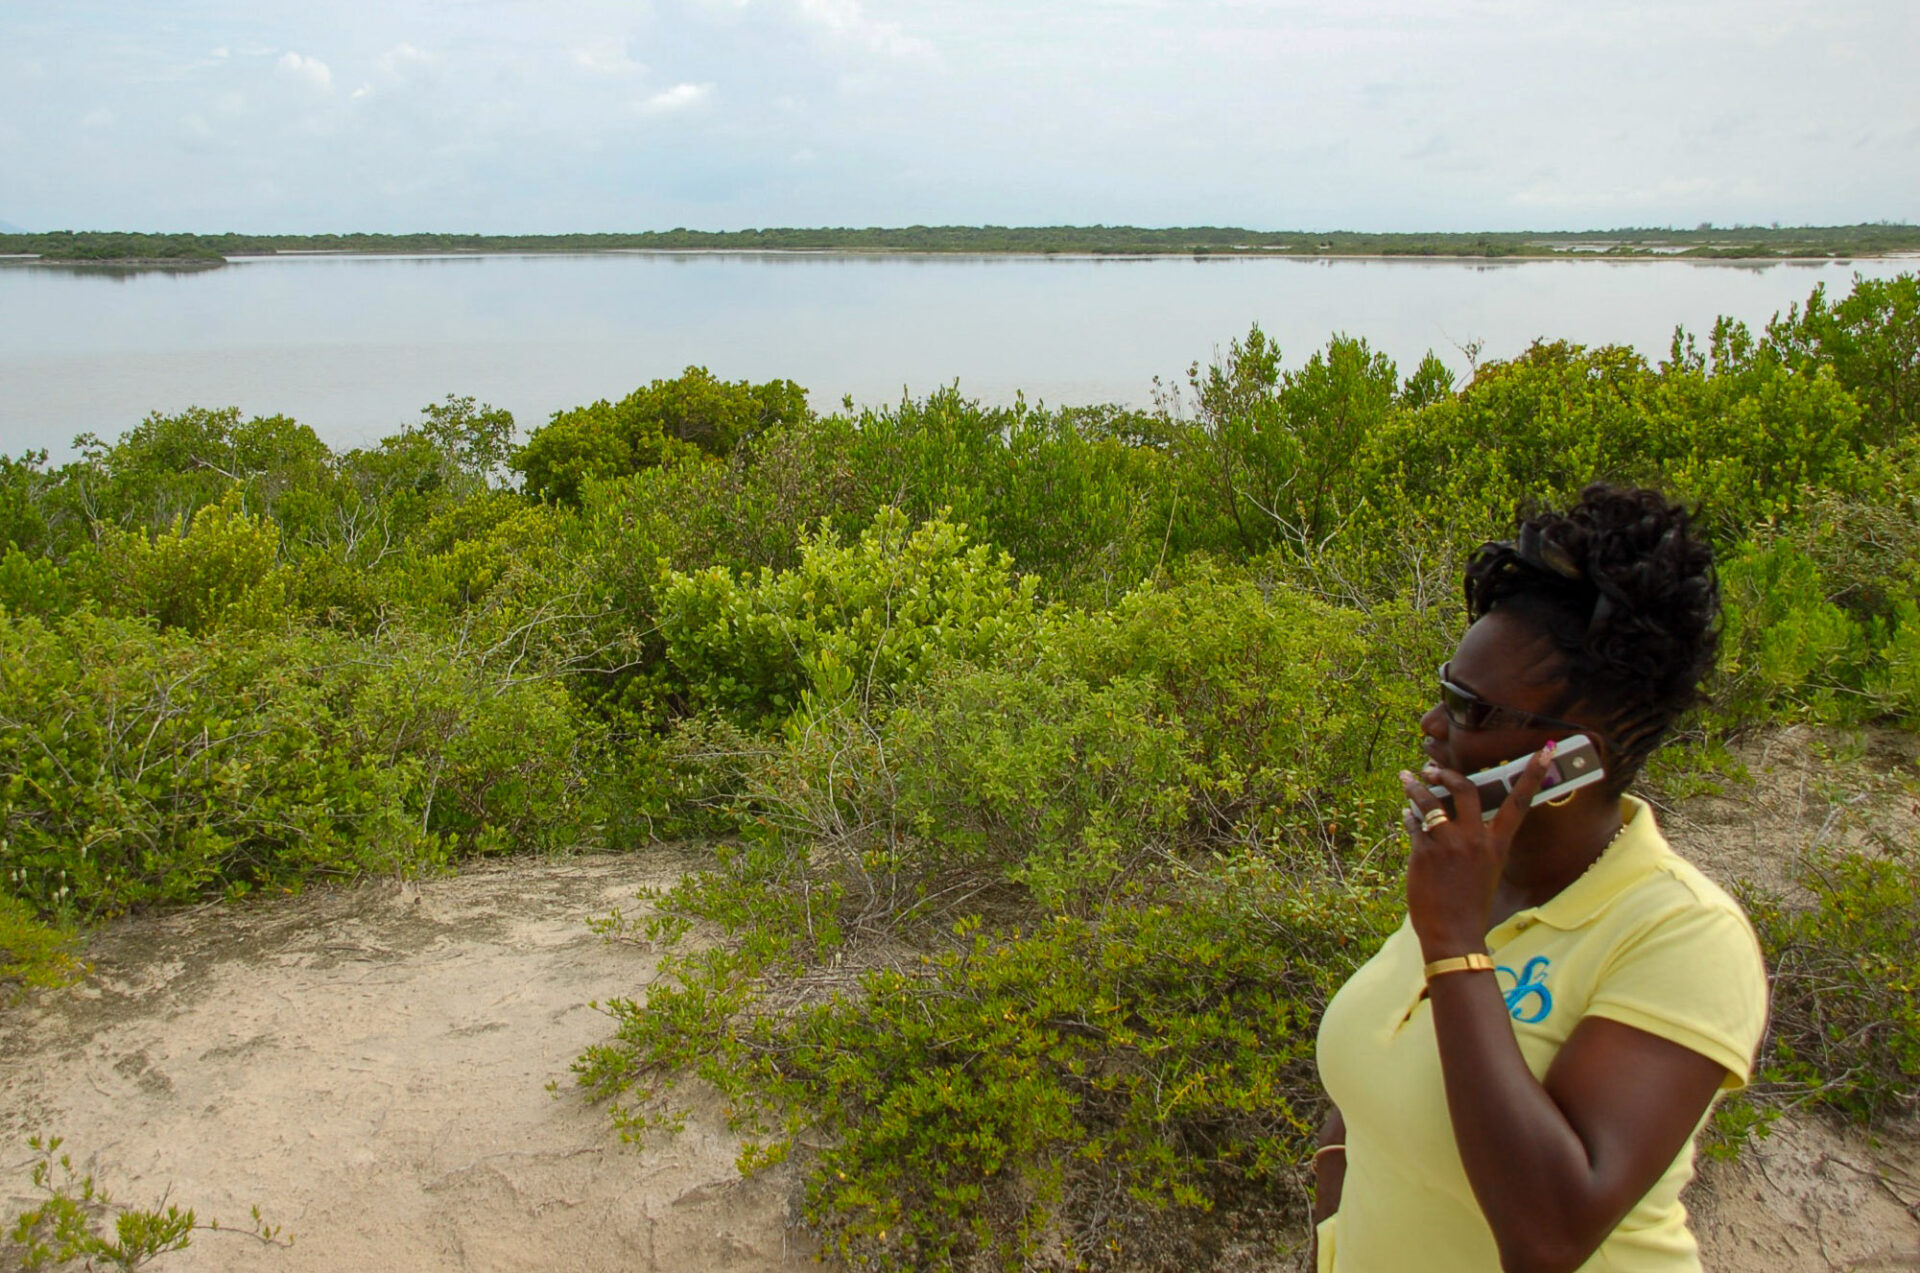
1467	710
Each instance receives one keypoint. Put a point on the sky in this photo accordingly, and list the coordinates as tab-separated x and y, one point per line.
503	116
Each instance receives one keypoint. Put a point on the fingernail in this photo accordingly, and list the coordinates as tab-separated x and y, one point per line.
1405	776
1551	744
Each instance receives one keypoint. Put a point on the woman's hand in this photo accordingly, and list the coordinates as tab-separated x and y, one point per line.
1456	863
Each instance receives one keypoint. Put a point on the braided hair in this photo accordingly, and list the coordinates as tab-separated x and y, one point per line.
1624	590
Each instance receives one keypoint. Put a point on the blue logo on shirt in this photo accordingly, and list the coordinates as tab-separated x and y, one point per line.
1529	983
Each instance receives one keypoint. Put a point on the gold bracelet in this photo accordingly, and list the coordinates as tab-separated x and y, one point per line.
1476	962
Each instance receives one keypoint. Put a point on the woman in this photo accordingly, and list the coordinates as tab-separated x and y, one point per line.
1519	1073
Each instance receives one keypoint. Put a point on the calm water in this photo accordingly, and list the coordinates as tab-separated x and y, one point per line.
356	346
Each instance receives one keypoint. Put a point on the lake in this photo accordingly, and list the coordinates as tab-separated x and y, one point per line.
355	346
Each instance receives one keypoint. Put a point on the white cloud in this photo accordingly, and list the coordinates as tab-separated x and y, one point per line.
220	52
98	117
606	57
678	98
363	91
310	70
845	18
400	56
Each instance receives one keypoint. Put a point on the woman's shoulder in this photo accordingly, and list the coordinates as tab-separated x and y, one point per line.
1685	963
1674	921
1673	885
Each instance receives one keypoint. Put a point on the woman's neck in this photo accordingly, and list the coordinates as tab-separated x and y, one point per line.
1554	847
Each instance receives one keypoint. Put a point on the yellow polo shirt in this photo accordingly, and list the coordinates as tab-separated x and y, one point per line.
1642	938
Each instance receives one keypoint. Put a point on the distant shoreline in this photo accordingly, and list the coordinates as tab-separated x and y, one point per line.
186	264
124	250
194	265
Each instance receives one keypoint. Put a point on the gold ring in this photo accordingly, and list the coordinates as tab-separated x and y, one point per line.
1433	818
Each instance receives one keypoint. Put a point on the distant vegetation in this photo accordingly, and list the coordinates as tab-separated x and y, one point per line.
1047	755
1739	241
99	246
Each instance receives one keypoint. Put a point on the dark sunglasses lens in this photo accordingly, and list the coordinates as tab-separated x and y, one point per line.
1462	708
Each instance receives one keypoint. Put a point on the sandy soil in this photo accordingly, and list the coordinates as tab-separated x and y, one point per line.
371	1067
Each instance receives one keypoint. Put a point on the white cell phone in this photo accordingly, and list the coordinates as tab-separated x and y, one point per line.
1576	764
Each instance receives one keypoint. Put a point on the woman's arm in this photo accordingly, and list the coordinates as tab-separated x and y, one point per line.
1329	1176
1555	1166
1330	1168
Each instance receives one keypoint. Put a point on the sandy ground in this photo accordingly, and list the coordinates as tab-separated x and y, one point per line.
371	1066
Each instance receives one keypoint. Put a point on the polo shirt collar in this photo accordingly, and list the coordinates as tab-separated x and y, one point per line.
1634	853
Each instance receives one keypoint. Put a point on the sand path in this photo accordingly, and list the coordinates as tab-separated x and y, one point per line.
371	1066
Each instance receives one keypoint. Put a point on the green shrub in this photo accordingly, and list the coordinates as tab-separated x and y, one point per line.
38	513
494	549
1282	697
219	571
684	783
33	585
1073	496
691	415
33	954
1538	427
75	1220
1896	683
1751	448
1200	715
864	618
1019	1090
141	766
1073	504
1846	985
1273	457
1871	340
1070	789
492	761
984	777
1867	541
1785	646
476	436
168	467
595	441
